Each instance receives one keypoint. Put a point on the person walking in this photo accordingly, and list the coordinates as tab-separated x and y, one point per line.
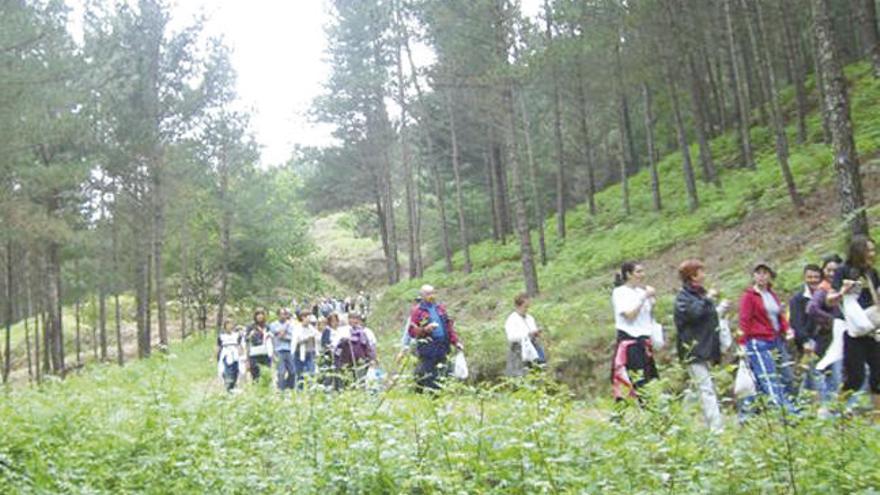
355	351
698	338
521	331
633	304
258	345
858	276
826	370
763	325
434	331
282	332
229	351
305	348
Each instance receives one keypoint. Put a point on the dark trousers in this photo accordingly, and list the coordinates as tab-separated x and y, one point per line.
857	352
230	375
638	359
257	362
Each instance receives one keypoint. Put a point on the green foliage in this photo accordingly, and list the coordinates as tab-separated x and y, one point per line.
164	426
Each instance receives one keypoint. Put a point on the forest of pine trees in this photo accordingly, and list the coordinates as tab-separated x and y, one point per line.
514	118
125	170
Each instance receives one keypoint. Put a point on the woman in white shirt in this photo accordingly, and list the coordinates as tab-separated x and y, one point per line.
519	328
633	303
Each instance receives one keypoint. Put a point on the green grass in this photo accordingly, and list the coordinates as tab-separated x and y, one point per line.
164	426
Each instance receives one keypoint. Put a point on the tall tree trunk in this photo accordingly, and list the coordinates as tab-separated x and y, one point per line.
740	94
557	131
687	166
158	246
459	201
867	15
53	279
95	324
700	124
768	74
586	143
795	56
439	189
39	323
102	321
714	71
184	277
533	178
29	310
624	180
498	188
820	88
503	199
120	357
846	162
225	241
754	81
623	120
409	187
77	324
490	182
142	300
440	192
652	153
519	207
10	312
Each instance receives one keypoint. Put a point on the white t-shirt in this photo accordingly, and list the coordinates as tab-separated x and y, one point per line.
625	299
518	327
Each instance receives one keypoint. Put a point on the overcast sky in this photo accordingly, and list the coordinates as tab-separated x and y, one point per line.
278	49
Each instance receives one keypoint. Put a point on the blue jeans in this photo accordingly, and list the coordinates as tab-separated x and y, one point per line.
762	357
825	382
785	363
230	375
286	370
303	367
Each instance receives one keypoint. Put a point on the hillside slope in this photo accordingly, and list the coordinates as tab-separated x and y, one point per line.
750	217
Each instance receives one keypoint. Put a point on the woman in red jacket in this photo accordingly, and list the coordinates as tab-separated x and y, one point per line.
763	325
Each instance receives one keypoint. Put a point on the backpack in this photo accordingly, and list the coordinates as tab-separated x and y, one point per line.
354	349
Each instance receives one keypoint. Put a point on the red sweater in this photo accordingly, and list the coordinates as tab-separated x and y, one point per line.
753	320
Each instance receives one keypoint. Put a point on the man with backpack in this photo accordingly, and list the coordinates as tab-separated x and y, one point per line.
355	351
434	331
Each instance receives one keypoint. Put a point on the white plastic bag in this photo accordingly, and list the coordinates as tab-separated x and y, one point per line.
725	335
529	353
460	367
744	385
857	322
834	353
657	339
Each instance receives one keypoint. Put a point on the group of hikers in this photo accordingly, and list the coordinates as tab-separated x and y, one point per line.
826	339
327	336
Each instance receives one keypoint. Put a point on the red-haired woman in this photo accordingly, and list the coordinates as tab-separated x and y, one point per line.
699	341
